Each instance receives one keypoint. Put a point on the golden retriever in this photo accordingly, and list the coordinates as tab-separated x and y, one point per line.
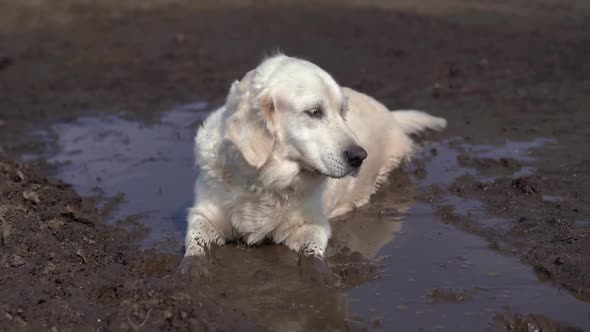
290	149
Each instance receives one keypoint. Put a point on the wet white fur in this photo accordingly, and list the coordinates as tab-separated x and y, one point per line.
269	170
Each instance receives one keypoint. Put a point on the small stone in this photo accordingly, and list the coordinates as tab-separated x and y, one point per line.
31	196
4	231
21	321
49	268
17	261
436	90
183	315
54	223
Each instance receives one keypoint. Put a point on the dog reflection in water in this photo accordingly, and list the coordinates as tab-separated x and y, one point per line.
266	284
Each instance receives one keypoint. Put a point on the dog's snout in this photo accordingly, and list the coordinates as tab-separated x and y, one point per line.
355	155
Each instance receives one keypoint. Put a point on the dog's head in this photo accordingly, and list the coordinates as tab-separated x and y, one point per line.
289	109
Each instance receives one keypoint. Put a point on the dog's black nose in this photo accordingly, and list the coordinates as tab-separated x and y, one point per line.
355	155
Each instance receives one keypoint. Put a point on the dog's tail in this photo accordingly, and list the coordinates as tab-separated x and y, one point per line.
413	122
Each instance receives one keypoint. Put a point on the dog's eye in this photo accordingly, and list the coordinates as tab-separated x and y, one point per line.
315	112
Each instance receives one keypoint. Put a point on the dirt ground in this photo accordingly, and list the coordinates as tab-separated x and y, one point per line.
62	268
497	70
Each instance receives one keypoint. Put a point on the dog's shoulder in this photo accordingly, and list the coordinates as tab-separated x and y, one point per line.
209	143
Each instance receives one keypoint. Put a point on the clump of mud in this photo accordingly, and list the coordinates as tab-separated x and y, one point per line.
484	164
63	268
441	295
514	322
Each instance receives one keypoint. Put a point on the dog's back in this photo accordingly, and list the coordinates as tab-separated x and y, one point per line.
385	136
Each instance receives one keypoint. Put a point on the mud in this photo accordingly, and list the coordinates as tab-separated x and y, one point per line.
510	321
491	214
559	246
439	295
62	268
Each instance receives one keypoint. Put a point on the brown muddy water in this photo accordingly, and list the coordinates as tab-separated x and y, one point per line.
402	265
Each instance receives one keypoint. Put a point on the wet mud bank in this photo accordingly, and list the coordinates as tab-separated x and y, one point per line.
62	268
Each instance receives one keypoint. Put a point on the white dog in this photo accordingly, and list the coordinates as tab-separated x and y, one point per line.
284	154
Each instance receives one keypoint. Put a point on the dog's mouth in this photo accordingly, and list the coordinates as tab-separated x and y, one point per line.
314	171
308	168
317	172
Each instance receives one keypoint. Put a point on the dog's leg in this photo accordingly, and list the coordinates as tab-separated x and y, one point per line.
310	241
200	234
199	237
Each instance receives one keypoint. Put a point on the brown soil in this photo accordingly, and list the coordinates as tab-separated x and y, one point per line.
513	322
555	245
62	268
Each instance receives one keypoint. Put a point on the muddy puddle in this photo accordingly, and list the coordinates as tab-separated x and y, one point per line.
140	172
402	267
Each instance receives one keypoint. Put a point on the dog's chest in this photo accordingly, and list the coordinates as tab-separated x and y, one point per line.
255	217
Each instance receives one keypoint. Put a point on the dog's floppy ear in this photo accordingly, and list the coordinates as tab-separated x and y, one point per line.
250	127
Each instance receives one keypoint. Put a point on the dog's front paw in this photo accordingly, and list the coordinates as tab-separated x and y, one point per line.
316	269
195	267
195	264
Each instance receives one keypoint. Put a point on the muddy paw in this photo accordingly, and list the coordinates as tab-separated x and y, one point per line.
195	268
312	268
